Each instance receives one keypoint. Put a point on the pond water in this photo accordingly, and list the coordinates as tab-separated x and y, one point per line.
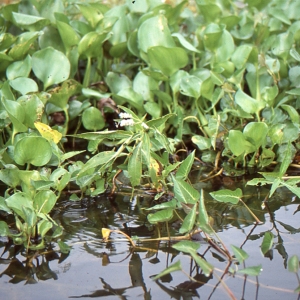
110	270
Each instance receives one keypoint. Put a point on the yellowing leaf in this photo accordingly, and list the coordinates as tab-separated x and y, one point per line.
105	233
47	132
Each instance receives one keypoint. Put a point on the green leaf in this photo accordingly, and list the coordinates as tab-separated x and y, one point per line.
240	254
186	246
44	201
172	268
30	217
238	144
191	86
187	45
29	22
201	142
255	133
92	119
50	66
24	85
203	216
206	267
32	150
293	264
91	44
135	166
189	221
247	103
164	215
267	242
227	195
18	201
99	159
251	271
20	68
154	32
185	167
184	192
4	230
43	227
168	60
63	247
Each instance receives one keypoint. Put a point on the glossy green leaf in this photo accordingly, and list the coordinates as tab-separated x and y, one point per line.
68	35
44	201
238	144
20	68
189	221
43	227
91	44
30	217
32	150
50	66
63	247
135	166
92	119
256	133
10	176
29	22
240	254
6	40
251	271
267	242
241	55
23	44
163	215
206	267
184	192
168	60
172	268
17	201
186	246
93	12
191	86
294	116
247	103
203	216
185	167
187	45
293	264
155	32
97	160
4	230
24	85
201	142
227	195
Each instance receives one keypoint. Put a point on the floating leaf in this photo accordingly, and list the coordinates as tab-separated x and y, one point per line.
186	246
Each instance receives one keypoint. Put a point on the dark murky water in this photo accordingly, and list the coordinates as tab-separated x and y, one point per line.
95	269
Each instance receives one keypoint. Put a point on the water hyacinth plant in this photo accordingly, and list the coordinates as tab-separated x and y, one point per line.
150	89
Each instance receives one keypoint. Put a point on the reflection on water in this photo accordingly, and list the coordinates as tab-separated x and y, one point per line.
95	269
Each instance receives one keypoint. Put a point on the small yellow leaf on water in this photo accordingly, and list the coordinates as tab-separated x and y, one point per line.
47	132
105	233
